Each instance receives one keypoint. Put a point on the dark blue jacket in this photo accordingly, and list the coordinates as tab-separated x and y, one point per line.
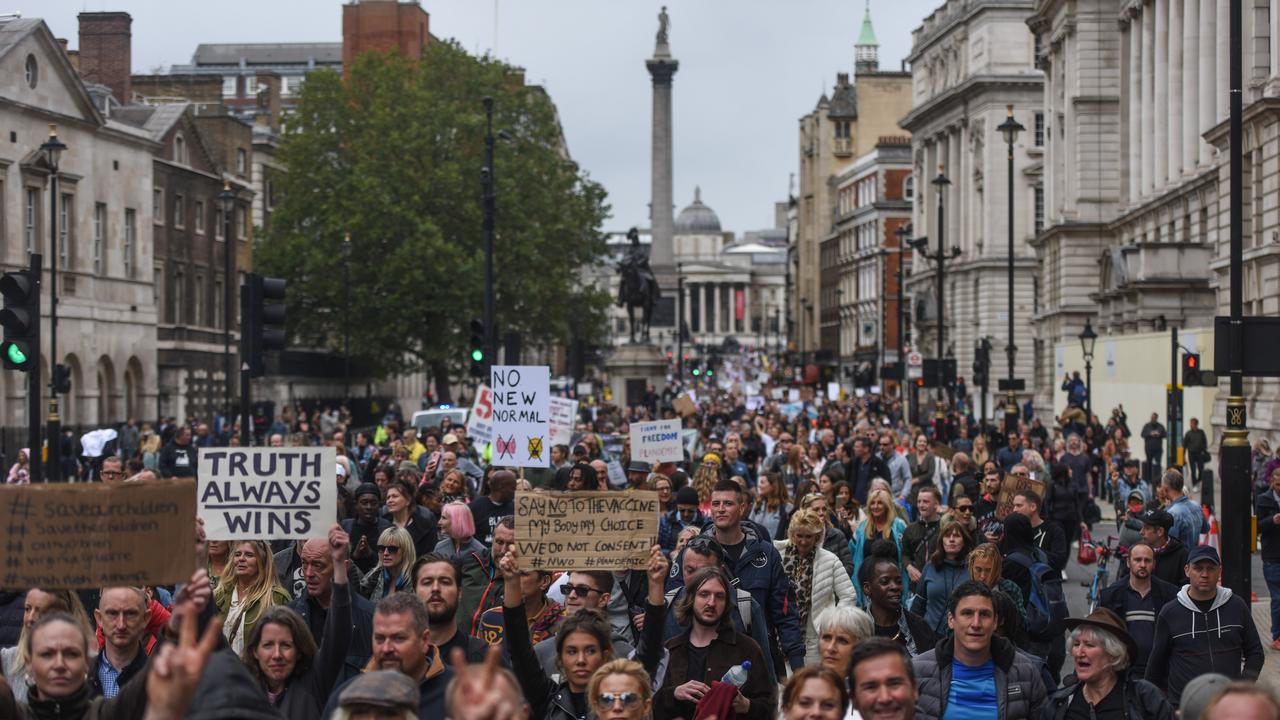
759	572
361	648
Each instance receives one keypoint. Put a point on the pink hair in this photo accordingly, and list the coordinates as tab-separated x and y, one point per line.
461	523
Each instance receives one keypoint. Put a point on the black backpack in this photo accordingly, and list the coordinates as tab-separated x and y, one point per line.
1047	603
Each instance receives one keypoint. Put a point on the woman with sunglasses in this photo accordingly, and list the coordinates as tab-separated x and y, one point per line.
396	556
620	690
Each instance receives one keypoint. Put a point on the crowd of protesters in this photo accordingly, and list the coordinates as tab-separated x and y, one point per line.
846	562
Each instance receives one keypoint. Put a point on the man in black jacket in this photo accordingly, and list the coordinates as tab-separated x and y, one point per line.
1195	447
313	605
1048	536
1171	554
1268	513
179	457
1153	435
862	466
1138	599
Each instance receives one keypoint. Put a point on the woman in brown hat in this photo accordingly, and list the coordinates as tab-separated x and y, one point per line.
1102	650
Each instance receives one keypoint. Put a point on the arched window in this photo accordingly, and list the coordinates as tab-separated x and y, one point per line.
31	71
180	149
909	188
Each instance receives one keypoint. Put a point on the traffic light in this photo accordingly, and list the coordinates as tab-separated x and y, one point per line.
61	379
697	370
982	364
478	369
21	320
1191	374
262	316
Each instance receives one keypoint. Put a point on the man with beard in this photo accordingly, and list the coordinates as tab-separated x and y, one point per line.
985	508
707	650
882	681
366	527
402	642
481	581
583	590
313	604
1171	554
1137	599
436	582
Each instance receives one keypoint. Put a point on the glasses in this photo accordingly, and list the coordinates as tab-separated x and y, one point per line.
608	700
964	508
579	590
704	544
393	549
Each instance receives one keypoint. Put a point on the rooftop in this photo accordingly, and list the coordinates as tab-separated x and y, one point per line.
267	54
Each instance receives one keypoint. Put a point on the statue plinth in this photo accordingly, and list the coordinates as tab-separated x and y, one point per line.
632	369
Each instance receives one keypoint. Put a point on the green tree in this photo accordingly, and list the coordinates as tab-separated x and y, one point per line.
393	156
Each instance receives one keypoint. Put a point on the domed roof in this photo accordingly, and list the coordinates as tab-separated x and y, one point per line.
697	219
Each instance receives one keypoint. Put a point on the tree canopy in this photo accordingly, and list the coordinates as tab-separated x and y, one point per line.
393	156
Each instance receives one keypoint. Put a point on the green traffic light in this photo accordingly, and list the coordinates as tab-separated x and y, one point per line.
15	354
696	372
477	355
710	373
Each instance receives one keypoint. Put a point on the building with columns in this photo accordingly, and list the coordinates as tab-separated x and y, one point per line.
970	61
862	109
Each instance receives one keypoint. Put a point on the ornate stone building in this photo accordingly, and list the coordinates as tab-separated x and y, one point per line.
970	60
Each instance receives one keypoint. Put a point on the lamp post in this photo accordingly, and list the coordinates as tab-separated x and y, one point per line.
227	198
1087	339
346	320
679	323
903	233
940	257
1010	129
53	149
490	210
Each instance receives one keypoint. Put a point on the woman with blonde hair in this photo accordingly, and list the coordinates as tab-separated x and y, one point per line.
705	479
36	604
620	690
882	523
986	565
835	540
817	575
396	556
250	590
981	453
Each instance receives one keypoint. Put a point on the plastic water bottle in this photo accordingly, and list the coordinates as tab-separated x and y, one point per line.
737	675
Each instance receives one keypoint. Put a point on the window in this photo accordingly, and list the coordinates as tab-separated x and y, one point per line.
250	87
31	220
199	217
242	161
31	71
909	188
64	231
1039	131
180	149
99	236
1039	221
218	222
157	206
179	291
157	290
130	239
197	301
219	304
229	86
242	224
179	211
842	129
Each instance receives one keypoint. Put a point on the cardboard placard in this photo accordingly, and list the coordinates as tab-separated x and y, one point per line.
563	415
521	415
656	442
268	493
586	530
684	406
77	536
1012	486
480	421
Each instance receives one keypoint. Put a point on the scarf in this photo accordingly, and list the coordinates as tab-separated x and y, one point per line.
800	570
544	625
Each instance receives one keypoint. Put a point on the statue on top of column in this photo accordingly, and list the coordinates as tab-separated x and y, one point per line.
664	23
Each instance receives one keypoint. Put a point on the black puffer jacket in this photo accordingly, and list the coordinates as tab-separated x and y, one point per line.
1142	700
1020	691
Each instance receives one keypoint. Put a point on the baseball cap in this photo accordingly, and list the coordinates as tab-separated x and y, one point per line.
368	489
1203	552
1158	518
686	496
449	439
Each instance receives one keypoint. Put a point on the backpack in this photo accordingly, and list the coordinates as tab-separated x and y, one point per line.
1047	603
744	605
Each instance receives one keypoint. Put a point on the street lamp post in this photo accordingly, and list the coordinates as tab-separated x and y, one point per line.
53	149
679	323
1087	340
346	320
903	233
227	198
490	210
1010	129
940	257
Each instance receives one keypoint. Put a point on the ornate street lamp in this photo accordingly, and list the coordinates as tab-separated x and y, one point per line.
1010	129
1087	340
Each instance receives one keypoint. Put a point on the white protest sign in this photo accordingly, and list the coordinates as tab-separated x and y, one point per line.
833	391
793	395
267	493
755	402
521	415
480	422
656	442
563	413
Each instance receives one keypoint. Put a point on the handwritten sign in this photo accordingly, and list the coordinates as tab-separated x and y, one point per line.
1011	486
684	405
521	415
586	530
656	442
563	412
60	536
268	493
480	421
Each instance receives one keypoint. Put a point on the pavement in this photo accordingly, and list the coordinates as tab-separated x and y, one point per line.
1079	606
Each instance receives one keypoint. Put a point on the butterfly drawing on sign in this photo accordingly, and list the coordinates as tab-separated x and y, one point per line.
506	447
535	448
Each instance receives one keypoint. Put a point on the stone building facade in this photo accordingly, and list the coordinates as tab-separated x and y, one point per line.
971	60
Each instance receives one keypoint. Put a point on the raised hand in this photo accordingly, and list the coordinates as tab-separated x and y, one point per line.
478	694
176	669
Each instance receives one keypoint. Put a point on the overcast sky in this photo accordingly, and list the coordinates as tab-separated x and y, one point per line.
748	70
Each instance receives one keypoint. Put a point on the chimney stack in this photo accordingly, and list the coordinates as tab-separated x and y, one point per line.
106	54
269	86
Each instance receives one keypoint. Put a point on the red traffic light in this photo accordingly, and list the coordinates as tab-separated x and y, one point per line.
1191	361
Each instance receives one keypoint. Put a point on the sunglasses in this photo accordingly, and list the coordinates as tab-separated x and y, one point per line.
579	590
608	700
393	549
704	543
964	508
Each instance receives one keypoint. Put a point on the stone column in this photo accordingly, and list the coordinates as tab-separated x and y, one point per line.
1175	111
1148	101
1223	64
1135	107
1208	76
662	68
1160	138
1190	112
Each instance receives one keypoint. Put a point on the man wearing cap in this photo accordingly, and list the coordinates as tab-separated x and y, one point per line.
1105	684
1171	554
685	513
1268	513
366	527
450	443
1137	598
1208	629
637	473
379	693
